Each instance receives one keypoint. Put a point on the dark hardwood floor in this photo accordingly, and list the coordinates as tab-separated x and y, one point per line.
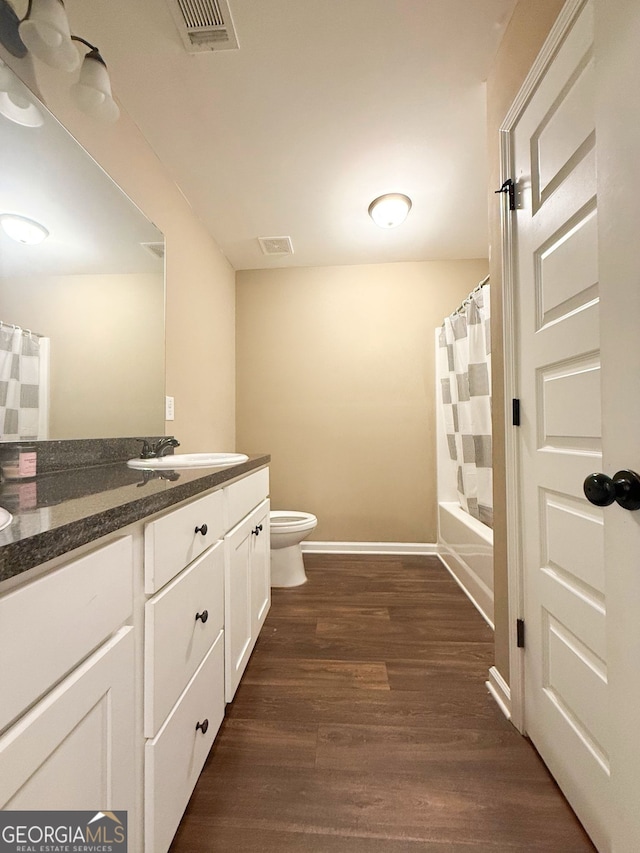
363	725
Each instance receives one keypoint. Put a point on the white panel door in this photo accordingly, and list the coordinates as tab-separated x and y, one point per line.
559	381
577	307
618	127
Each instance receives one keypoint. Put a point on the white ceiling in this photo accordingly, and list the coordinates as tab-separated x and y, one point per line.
326	105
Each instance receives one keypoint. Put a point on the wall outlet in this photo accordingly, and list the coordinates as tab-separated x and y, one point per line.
169	409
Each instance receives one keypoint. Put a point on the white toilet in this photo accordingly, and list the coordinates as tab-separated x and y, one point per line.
288	529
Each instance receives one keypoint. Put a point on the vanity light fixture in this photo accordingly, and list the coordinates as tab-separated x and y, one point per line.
92	92
390	210
22	229
44	31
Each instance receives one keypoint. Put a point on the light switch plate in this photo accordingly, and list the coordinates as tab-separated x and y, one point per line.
169	410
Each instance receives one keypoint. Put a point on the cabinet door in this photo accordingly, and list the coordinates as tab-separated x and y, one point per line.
75	749
260	570
237	621
247	591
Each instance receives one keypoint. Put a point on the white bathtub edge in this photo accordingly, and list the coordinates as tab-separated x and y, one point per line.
480	529
456	572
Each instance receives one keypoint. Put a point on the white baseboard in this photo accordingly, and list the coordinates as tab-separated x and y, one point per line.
499	689
369	548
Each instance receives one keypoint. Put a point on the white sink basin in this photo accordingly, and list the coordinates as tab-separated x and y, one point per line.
5	518
189	460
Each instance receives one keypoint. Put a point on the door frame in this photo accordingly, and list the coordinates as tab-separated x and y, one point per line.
515	561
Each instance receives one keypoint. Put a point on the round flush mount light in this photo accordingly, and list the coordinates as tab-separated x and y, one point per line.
16	102
390	210
23	230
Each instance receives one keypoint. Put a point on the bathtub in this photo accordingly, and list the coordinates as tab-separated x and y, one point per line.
465	546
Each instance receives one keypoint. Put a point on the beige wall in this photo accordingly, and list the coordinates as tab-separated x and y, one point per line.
104	361
200	294
527	30
335	378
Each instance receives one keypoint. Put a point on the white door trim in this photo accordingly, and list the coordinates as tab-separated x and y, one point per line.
515	577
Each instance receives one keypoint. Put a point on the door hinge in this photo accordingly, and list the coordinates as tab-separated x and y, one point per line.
516	411
520	633
510	188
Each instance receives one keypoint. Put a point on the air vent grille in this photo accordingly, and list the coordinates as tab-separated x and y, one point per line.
204	24
201	13
156	249
276	245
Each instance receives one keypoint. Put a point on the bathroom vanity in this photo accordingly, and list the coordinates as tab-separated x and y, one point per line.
127	617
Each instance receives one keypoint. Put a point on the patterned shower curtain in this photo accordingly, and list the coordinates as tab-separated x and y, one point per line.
19	384
465	379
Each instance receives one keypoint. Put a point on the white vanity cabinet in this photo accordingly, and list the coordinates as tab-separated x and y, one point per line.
116	663
247	573
67	670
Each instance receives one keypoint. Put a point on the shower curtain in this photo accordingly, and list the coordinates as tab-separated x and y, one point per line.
22	416
465	381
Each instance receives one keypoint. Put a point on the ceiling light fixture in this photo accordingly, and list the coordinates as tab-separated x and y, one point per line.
23	230
390	210
15	101
44	31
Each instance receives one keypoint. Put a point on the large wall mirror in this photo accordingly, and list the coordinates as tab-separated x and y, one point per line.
81	311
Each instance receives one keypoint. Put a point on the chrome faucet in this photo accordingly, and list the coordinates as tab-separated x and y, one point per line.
160	448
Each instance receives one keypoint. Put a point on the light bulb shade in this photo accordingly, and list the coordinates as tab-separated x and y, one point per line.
47	35
390	210
16	102
92	92
23	230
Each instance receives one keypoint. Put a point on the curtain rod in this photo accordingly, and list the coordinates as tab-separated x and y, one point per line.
20	329
465	301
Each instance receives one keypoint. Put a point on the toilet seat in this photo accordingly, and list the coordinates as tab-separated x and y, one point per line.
286	521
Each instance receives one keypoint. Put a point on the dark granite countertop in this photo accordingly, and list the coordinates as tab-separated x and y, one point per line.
62	510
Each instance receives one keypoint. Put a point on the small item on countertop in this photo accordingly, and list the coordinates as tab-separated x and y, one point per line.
19	462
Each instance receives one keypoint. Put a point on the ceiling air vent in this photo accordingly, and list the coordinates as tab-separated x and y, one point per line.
204	24
276	245
156	249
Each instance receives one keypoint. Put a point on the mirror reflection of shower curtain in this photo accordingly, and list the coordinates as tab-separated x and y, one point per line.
24	384
465	380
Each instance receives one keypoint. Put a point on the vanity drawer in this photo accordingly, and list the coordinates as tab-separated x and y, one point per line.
175	641
171	541
175	757
243	496
52	623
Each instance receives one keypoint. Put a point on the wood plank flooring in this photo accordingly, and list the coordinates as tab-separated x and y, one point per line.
363	725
